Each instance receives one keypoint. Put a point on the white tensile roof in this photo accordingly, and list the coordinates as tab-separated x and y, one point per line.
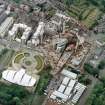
28	80
61	88
65	80
70	88
72	83
80	90
9	75
19	77
65	92
60	95
69	74
53	96
68	91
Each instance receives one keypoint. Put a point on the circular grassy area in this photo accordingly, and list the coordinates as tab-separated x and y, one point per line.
28	63
40	62
18	58
26	54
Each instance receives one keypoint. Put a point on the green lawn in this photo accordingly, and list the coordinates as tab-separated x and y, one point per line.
40	62
18	58
92	17
86	11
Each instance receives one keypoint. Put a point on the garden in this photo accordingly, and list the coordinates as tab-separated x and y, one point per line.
86	11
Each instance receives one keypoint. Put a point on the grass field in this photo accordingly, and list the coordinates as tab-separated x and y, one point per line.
91	18
85	11
18	58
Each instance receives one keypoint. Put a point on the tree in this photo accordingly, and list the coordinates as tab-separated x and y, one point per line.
91	70
101	64
45	77
103	80
84	79
16	101
12	94
97	96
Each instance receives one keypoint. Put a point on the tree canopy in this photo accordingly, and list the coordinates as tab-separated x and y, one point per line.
12	94
98	95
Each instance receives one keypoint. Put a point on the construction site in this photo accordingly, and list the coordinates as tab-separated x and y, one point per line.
51	34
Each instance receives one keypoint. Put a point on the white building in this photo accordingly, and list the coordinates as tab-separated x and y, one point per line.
5	26
65	89
69	74
59	44
12	33
69	89
79	88
38	35
19	77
